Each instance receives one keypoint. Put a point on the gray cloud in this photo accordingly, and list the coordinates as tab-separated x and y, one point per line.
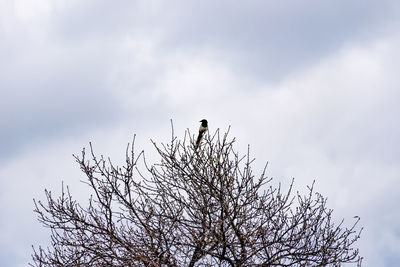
57	68
44	103
261	39
271	40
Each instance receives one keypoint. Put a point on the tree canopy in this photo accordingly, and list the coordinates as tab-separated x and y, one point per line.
195	207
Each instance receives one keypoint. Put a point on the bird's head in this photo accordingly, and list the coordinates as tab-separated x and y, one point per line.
204	122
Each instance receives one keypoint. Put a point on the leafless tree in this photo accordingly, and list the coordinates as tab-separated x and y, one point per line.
201	207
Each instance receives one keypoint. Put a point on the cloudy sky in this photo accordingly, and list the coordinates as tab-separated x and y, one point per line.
312	86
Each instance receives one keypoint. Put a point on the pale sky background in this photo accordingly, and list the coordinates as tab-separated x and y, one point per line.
312	86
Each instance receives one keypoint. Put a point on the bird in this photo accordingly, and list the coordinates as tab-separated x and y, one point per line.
203	128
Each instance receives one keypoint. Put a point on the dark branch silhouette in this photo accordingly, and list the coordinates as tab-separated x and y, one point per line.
193	208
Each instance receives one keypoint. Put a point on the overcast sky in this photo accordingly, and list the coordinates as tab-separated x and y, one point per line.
312	86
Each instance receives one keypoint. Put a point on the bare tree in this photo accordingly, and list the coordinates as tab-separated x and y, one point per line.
199	207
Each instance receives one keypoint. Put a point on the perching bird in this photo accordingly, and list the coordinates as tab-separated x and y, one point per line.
202	130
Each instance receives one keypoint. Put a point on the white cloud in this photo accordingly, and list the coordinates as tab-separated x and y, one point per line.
31	10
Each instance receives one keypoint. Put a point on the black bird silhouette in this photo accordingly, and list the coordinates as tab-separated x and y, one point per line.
202	130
